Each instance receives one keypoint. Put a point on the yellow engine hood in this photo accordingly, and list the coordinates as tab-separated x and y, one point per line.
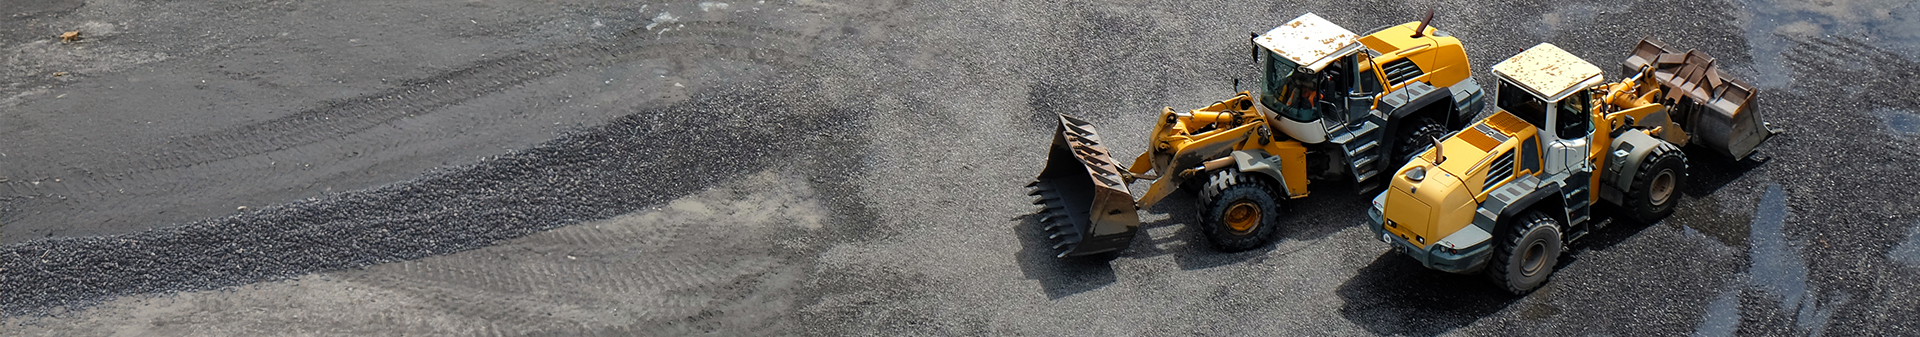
1442	201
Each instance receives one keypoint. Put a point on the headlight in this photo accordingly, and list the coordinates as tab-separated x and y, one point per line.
1375	213
1417	173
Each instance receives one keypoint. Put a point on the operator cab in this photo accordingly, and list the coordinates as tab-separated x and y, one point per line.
1544	86
1311	67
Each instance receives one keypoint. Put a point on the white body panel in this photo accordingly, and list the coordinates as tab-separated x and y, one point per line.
1309	132
1308	40
1547	71
1567	156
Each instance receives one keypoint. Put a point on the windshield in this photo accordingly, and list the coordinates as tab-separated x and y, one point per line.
1286	92
1522	104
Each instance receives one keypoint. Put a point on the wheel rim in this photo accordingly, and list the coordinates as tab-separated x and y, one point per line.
1533	258
1243	217
1662	188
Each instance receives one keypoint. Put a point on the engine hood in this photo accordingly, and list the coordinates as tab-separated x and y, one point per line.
1427	201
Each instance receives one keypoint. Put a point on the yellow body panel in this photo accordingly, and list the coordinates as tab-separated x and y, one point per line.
1427	210
1446	199
1183	140
1442	58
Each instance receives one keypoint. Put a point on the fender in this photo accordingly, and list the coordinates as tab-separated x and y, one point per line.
1257	161
1498	209
1623	162
1388	141
1469	100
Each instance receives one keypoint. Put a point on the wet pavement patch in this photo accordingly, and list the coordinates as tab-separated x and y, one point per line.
1899	123
1908	251
1778	274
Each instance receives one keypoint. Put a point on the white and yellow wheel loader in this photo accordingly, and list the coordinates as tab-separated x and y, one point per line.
1506	194
1331	105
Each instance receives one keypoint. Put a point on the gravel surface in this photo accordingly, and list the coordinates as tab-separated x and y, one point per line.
609	170
853	168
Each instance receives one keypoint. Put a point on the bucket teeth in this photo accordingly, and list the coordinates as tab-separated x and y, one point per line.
1069	242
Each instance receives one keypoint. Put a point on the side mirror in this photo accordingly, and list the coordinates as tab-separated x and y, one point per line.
1253	42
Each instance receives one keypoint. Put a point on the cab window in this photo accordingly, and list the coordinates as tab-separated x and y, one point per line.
1523	104
1368	77
1574	119
1287	92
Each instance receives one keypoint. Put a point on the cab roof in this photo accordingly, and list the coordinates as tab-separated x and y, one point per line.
1308	40
1547	70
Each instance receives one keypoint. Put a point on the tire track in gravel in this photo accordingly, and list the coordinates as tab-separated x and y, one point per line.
1831	67
342	119
613	169
1836	63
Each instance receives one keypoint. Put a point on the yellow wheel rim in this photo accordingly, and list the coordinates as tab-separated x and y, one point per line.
1243	217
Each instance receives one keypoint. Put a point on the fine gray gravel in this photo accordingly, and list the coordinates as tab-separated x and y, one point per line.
852	168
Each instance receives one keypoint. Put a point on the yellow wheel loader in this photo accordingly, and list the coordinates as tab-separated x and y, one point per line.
1331	105
1505	195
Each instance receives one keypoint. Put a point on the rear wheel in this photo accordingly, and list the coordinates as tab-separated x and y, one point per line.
1656	187
1418	135
1241	211
1530	252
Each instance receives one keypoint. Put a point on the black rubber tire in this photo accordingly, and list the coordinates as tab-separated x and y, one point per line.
1528	253
1229	188
1641	198
1415	137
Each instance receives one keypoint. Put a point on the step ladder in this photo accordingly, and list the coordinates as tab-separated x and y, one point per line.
1361	144
1579	209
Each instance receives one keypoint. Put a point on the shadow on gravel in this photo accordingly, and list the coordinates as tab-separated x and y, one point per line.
1188	245
1707	172
642	159
1394	295
1059	277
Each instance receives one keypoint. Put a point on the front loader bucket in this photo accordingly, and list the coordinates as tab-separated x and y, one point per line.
1087	208
1717	110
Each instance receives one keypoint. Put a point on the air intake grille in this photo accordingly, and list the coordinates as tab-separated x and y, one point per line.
1401	71
1501	169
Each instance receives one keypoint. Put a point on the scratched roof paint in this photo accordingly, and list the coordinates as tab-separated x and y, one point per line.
1307	39
1546	69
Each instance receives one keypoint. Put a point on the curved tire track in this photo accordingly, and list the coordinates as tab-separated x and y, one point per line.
597	173
343	118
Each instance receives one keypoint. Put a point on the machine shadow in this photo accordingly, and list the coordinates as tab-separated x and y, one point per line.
1188	245
1707	172
1310	218
1394	295
1059	277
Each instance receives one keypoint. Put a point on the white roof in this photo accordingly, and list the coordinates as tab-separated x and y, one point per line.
1547	70
1307	40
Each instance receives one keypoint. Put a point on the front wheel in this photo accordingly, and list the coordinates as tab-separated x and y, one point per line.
1656	187
1523	261
1241	211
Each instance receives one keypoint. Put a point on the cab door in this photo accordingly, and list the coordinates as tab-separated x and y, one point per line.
1572	134
1366	87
